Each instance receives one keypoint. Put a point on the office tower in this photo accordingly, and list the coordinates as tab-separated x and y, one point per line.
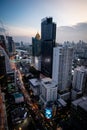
11	45
79	114
48	90
4	67
62	65
36	45
2	72
48	36
3	42
79	78
36	52
7	61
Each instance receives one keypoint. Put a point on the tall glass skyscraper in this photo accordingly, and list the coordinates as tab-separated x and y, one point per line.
48	36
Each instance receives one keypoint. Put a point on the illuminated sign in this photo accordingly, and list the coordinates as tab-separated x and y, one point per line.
48	113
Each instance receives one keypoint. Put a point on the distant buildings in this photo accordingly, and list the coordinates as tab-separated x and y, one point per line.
48	36
62	66
80	53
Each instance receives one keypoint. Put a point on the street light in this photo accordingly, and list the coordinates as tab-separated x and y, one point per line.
20	128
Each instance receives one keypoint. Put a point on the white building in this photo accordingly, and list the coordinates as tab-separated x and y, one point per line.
62	66
35	86
48	90
79	78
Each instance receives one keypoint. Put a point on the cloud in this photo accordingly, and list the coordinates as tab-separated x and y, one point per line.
72	33
64	33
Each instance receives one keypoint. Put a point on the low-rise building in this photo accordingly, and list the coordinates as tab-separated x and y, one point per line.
79	114
35	86
48	90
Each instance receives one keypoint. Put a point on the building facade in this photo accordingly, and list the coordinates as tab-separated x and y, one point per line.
48	90
48	36
3	42
62	66
79	78
36	45
2	72
11	44
36	52
79	114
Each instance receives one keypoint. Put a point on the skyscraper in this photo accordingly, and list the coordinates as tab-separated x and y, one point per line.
36	52
79	78
48	36
36	45
3	42
62	65
11	45
7	61
2	71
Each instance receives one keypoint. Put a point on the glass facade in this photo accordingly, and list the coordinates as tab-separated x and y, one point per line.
48	35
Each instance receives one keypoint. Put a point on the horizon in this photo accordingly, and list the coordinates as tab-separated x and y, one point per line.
21	19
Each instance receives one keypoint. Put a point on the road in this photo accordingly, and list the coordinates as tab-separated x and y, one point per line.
34	107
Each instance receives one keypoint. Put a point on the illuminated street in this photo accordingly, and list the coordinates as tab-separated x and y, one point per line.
33	106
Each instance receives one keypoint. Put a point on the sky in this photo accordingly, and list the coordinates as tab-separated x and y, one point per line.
22	18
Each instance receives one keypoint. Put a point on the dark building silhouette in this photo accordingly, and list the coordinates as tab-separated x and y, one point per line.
48	36
2	72
3	42
11	45
36	45
79	114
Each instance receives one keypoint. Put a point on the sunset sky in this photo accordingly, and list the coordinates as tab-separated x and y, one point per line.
22	18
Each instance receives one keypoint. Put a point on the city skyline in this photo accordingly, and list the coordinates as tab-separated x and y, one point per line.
22	18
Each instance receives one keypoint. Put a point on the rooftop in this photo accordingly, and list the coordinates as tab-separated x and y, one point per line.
82	102
35	82
83	105
17	95
48	82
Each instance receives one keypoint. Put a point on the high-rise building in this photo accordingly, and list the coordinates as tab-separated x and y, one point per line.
2	72
48	29
7	61
62	66
48	36
11	44
36	52
4	67
79	78
36	45
3	42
